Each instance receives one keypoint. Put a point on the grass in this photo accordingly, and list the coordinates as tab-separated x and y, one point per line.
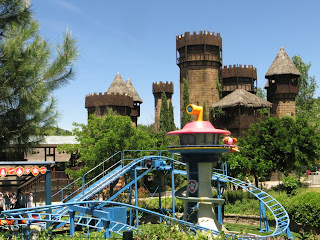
253	229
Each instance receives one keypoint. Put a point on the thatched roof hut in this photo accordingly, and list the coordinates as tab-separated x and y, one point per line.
243	98
119	86
133	91
282	65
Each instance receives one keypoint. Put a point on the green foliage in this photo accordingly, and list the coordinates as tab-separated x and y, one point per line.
171	124
204	112
215	113
275	144
103	137
166	115
185	117
56	131
171	231
304	209
29	73
307	86
236	195
11	12
291	185
243	207
263	94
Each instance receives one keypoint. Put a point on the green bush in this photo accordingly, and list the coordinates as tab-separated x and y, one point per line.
235	195
171	231
304	209
291	185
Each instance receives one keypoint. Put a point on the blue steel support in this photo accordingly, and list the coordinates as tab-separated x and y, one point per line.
130	200
72	228
219	196
289	234
106	226
136	196
28	230
48	192
159	182
172	187
263	218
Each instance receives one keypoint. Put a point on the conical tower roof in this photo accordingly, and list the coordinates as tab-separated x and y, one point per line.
241	97
133	91
119	86
282	65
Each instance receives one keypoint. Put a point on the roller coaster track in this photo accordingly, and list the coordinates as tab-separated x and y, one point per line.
278	211
60	214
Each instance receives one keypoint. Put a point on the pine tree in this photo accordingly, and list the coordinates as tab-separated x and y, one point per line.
29	73
204	112
171	124
164	124
12	11
185	117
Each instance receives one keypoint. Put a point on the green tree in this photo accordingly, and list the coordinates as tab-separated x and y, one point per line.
263	94
103	137
12	11
185	117
29	73
276	144
164	113
56	131
171	124
204	112
307	86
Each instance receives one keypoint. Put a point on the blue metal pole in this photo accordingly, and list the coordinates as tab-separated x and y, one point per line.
172	187
130	199
136	196
72	229
263	218
48	193
159	186
219	196
106	226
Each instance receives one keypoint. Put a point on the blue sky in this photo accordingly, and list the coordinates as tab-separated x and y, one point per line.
137	39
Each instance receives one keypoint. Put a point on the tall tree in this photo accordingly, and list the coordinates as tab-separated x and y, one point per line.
13	11
103	137
164	123
29	73
307	86
204	112
185	117
276	144
171	124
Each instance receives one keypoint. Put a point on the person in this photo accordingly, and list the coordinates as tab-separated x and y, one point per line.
13	200
7	200
30	200
248	181
21	201
2	203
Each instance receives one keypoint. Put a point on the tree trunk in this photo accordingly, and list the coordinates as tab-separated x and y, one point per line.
256	181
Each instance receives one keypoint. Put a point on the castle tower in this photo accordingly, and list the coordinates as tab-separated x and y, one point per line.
135	112
157	90
282	85
238	77
121	97
199	57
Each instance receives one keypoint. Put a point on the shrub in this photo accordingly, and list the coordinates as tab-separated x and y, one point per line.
291	185
305	209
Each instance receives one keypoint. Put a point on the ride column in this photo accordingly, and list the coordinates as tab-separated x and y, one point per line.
200	151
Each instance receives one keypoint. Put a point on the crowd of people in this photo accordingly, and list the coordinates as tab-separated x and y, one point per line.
11	200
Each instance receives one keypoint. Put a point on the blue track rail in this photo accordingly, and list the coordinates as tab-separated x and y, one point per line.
93	210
